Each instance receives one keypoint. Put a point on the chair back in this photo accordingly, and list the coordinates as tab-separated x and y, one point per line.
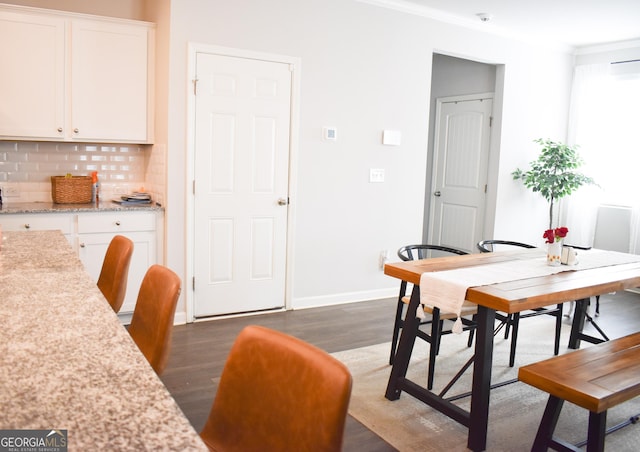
489	246
424	251
278	393
152	321
112	281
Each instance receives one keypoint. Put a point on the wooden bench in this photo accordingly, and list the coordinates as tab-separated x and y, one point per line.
596	378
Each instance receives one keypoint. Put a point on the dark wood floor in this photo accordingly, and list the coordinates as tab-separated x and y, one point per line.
199	350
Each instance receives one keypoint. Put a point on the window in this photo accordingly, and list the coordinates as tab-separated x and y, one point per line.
608	135
605	124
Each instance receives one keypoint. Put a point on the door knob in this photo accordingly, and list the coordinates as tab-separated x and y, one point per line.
283	201
437	193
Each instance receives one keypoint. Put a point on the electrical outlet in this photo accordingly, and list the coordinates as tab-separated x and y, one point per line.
383	258
10	191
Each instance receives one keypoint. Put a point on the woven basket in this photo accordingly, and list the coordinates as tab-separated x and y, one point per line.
71	190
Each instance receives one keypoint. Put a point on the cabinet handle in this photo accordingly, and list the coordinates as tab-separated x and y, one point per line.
76	130
60	129
26	226
117	223
82	245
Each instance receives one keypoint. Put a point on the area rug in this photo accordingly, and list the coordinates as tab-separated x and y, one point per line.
515	410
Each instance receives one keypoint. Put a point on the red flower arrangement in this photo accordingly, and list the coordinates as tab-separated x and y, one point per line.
555	235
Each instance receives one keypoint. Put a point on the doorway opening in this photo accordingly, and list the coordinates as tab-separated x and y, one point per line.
457	79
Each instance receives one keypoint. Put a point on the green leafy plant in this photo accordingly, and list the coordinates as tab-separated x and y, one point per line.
554	174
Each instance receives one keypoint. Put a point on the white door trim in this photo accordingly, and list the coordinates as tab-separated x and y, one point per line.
294	64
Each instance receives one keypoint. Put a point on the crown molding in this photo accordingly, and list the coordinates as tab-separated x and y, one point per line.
609	47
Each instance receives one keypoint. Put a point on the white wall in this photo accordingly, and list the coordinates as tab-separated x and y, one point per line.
125	9
364	69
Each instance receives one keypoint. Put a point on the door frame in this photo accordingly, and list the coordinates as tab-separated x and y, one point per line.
294	64
487	224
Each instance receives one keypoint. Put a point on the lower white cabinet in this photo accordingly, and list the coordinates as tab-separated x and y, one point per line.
40	222
95	232
91	233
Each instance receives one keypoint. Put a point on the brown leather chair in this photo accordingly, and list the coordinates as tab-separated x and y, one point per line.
278	393
152	321
115	271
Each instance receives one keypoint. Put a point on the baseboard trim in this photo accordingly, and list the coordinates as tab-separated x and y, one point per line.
179	319
341	298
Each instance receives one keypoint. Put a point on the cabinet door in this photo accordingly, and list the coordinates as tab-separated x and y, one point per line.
39	222
32	86
93	247
109	73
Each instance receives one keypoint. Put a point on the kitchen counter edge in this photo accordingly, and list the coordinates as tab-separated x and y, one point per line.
49	207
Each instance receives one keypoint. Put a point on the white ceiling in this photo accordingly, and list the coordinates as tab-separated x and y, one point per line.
574	23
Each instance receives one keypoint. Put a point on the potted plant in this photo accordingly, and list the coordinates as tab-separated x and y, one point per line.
554	174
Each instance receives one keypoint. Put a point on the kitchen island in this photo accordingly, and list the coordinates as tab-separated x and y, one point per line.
89	228
67	363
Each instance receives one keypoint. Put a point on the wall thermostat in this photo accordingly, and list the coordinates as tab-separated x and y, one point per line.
330	133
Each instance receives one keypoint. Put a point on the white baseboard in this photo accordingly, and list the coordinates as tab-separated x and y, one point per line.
334	299
179	319
125	317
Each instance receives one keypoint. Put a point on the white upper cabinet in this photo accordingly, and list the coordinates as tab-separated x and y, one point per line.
109	81
32	78
75	78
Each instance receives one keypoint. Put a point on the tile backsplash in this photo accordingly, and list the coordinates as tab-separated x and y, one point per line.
26	168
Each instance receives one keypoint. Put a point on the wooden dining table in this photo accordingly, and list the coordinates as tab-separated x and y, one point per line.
68	364
619	271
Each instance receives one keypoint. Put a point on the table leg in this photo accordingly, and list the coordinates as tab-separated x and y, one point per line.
578	323
405	346
597	431
481	386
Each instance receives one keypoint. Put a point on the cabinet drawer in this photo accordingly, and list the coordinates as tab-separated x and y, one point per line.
24	222
115	222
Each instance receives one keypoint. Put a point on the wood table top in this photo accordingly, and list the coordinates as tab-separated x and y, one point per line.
523	294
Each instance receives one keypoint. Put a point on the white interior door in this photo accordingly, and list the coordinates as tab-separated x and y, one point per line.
460	163
242	124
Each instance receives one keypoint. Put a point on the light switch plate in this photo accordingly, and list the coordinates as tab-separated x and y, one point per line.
392	137
376	175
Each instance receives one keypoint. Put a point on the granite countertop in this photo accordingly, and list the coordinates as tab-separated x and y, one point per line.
67	362
50	207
